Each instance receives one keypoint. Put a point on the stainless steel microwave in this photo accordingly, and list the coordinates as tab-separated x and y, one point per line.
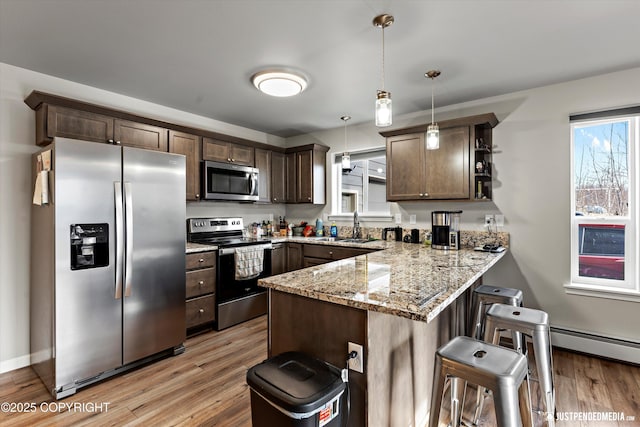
225	181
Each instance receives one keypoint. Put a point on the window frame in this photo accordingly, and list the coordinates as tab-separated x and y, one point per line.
336	211
628	288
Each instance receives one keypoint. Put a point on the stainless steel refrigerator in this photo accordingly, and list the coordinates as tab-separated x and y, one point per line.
107	261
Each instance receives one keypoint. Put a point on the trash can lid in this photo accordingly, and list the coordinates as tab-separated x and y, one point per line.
296	381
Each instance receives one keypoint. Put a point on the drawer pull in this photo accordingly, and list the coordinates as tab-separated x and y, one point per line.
201	282
201	260
201	310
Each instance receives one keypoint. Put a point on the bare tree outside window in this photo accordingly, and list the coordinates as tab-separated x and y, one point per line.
601	160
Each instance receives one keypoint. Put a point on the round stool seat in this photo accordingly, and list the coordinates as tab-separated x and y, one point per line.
496	368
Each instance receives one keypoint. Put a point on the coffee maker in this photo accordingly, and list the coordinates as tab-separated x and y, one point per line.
445	229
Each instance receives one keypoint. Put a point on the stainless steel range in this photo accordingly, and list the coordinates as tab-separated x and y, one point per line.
241	262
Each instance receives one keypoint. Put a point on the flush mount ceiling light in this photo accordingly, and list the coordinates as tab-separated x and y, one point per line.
383	98
281	83
433	132
346	158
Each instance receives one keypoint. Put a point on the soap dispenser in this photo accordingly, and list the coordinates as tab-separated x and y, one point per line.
334	229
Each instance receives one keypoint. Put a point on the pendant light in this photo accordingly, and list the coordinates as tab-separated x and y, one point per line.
383	98
346	158
433	133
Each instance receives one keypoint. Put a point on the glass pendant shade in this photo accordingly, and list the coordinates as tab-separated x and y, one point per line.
383	109
433	137
346	161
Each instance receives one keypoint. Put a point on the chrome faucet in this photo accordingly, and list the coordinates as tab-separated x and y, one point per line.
357	231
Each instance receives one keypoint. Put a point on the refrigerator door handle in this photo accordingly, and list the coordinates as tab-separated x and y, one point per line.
117	186
128	220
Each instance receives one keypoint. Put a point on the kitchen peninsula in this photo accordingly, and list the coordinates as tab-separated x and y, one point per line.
399	303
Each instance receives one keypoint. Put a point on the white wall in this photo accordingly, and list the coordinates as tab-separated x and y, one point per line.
17	136
531	188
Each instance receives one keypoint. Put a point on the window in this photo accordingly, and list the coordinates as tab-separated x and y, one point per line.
604	213
364	185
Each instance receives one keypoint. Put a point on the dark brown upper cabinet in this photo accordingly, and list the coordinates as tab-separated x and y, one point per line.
227	152
263	163
140	135
189	146
278	177
306	174
415	173
54	120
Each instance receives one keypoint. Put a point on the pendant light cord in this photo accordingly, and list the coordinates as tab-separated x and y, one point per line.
383	57
345	135
432	115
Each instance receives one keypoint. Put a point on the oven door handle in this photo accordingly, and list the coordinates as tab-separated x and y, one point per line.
231	251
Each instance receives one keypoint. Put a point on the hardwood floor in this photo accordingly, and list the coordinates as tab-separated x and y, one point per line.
206	386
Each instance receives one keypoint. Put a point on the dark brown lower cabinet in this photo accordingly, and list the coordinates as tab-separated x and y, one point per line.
200	290
279	258
294	256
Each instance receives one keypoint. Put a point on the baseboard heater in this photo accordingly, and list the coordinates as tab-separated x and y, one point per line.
598	345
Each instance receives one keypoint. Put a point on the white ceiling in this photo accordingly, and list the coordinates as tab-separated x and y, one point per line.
198	55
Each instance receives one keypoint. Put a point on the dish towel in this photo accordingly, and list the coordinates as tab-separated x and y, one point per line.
249	261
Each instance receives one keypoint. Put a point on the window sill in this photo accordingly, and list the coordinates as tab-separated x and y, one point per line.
362	217
622	294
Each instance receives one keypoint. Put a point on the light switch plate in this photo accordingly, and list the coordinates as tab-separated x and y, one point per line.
499	220
398	218
412	219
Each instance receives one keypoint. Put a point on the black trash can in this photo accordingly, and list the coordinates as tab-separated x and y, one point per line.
296	390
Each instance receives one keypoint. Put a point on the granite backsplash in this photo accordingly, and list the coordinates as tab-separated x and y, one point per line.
468	238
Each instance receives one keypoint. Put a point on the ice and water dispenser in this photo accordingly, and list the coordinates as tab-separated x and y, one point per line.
89	245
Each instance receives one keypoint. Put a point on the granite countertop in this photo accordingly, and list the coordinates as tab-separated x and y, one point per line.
197	247
403	279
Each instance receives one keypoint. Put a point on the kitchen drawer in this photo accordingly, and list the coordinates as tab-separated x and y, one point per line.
201	260
200	282
331	252
201	310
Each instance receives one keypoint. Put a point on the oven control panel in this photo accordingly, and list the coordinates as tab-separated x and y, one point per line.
208	225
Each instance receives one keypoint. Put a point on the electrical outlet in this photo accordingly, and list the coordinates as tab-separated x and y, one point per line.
499	220
271	218
412	219
356	364
488	219
398	218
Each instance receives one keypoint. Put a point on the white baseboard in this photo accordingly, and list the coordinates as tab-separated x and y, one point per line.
598	345
15	363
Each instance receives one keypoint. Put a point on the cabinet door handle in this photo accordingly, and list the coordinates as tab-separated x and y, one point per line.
233	160
228	159
110	141
275	200
309	198
117	142
197	196
426	194
421	194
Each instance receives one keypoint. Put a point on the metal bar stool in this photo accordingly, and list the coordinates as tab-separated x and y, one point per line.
535	324
486	295
498	369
